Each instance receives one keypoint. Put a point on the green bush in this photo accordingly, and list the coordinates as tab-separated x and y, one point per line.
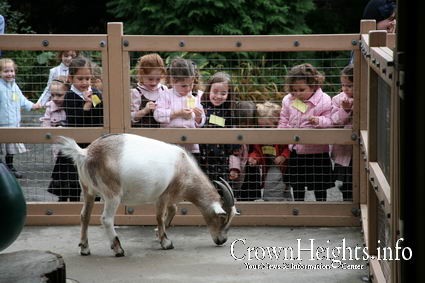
212	17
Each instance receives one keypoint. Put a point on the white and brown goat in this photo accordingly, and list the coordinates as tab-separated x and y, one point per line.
130	169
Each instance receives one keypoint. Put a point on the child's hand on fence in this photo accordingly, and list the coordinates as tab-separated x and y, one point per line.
252	161
314	120
347	105
279	160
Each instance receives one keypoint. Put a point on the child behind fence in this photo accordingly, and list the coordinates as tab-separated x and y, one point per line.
179	107
150	73
62	70
342	115
244	178
97	81
218	102
83	103
271	157
84	108
307	106
12	101
55	116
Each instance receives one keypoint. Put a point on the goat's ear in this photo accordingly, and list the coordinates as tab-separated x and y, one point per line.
219	210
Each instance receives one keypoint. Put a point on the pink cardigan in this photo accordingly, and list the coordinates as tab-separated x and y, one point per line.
171	101
52	118
318	105
53	115
341	154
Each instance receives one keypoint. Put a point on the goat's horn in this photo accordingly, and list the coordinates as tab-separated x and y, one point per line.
228	197
228	187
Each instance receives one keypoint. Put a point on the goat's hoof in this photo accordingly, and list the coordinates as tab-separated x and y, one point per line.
85	252
166	244
119	252
84	249
116	247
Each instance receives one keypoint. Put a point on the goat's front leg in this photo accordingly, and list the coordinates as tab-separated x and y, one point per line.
85	219
109	210
161	212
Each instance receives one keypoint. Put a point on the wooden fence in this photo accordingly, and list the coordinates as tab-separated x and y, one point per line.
374	189
379	145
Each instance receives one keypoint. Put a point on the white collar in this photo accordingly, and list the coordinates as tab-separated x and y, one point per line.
142	86
64	67
79	93
190	94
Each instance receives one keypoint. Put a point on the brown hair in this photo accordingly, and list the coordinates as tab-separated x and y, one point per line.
197	83
78	63
304	72
348	72
245	113
220	77
181	69
60	53
147	63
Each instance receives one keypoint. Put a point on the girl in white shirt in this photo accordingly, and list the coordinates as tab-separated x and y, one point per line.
150	73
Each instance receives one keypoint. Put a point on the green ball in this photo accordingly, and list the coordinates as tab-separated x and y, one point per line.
13	209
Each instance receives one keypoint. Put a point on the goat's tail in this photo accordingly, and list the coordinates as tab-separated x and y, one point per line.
71	149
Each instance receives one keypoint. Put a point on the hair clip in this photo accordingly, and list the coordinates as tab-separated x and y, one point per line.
59	81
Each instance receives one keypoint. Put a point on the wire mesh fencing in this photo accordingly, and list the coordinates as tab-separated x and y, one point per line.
230	90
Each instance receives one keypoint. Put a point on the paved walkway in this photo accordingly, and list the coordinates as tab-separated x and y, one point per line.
195	257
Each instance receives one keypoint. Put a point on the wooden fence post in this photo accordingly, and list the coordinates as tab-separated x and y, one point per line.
115	78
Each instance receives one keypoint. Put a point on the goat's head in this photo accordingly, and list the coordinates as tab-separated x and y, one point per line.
219	221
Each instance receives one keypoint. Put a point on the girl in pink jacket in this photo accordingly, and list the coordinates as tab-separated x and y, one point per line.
180	107
307	106
342	113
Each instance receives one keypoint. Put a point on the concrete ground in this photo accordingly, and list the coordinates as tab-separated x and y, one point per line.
244	258
195	257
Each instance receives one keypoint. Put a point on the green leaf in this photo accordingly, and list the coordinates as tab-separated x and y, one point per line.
45	57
